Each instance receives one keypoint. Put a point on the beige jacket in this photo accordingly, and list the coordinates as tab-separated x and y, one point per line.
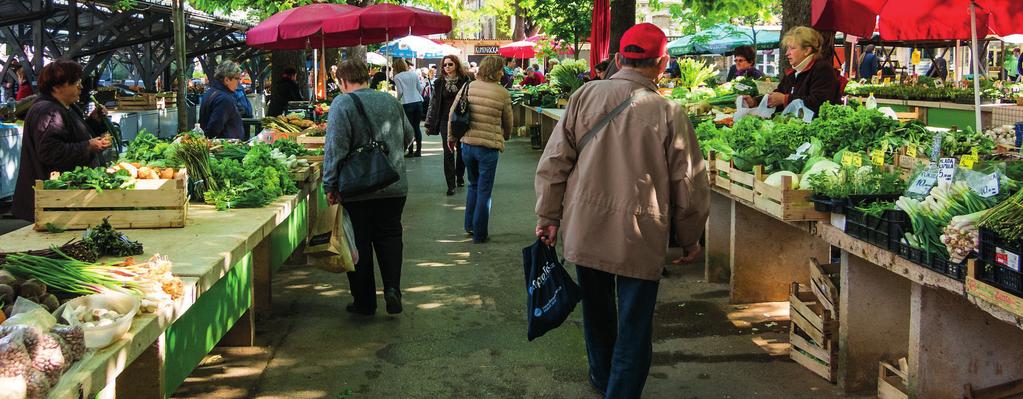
614	203
490	114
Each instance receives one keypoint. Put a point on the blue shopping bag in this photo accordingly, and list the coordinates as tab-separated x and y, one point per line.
551	292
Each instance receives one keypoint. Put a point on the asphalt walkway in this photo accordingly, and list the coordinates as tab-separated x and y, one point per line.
463	332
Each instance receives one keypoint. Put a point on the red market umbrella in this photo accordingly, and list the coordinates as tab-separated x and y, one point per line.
382	22
299	27
600	37
519	50
918	19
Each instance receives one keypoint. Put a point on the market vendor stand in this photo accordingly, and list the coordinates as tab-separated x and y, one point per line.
226	259
889	307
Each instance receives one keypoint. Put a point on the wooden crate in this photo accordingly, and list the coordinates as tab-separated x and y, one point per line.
312	158
1011	389
151	204
719	167
784	202
142	101
304	174
742	183
311	142
824	284
810	333
908	164
989	293
892	383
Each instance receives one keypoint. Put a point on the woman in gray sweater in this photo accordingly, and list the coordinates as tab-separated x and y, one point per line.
376	216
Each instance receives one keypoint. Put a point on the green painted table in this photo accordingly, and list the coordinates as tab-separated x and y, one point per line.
219	256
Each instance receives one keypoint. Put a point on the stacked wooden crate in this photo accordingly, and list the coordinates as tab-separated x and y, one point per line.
814	321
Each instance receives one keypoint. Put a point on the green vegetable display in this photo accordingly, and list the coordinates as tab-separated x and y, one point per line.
852	181
84	178
931	216
106	241
254	181
147	149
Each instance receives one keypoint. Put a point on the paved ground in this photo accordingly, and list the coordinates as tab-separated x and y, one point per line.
463	331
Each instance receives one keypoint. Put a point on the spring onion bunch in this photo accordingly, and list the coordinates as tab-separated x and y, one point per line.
67	274
930	216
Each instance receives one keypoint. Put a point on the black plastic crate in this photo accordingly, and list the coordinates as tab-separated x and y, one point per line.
998	252
1000	277
947	267
912	254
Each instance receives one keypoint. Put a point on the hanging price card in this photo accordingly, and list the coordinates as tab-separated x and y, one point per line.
911	151
887	81
991	186
967	161
946	169
924	182
877	157
799	152
936	148
975	153
852	159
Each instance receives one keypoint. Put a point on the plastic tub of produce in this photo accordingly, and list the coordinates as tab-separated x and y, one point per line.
104	318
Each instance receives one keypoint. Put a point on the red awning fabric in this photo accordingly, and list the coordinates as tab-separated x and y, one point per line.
390	21
294	28
600	36
519	50
918	19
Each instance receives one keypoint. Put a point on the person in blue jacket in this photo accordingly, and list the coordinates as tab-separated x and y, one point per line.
244	106
218	114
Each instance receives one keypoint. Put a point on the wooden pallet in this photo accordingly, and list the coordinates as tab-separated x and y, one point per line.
824	284
151	204
784	202
311	142
810	333
989	293
893	383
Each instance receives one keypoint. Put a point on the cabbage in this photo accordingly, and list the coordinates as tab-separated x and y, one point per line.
821	166
775	179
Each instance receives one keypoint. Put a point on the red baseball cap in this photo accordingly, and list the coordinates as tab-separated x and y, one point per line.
646	36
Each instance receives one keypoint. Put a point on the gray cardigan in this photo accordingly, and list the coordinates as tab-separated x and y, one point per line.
347	130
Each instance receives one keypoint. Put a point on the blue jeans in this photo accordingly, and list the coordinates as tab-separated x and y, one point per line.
618	336
481	166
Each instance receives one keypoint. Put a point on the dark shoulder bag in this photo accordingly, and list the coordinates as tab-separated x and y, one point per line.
606	119
460	115
367	168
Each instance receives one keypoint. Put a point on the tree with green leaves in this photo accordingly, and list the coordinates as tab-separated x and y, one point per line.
567	20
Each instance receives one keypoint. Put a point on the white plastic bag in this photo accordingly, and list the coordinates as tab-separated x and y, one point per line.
28	313
331	247
762	111
889	112
796	108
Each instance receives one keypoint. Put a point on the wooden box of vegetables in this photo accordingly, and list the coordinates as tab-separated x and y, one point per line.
131	197
312	141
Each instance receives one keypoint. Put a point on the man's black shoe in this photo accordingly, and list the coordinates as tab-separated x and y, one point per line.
352	309
393	298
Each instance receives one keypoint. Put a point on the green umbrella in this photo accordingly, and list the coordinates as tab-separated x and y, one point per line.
723	38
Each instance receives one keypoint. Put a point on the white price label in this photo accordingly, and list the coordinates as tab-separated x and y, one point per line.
799	152
923	183
991	186
936	147
946	169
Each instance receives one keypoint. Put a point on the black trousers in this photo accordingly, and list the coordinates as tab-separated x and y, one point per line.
453	164
414	113
377	225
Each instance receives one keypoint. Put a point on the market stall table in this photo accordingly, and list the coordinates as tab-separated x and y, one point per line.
226	259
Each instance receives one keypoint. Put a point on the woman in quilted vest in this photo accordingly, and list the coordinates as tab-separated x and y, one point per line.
490	125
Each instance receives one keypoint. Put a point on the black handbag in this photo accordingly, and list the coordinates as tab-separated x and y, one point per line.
367	167
460	115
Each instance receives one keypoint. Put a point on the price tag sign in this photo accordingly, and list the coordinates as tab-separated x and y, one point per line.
887	81
936	148
877	157
967	161
911	151
924	182
975	152
852	159
991	186
946	169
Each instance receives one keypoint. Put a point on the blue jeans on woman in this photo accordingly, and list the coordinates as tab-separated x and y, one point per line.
481	166
619	334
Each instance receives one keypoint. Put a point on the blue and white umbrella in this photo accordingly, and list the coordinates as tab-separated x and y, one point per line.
416	47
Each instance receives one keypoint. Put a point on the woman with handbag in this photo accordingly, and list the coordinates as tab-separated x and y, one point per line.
490	124
364	171
445	88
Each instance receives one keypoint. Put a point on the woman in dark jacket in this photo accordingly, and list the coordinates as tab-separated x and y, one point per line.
445	88
218	114
812	79
57	138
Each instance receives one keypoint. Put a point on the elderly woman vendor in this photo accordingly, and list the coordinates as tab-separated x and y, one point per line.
218	114
57	138
812	79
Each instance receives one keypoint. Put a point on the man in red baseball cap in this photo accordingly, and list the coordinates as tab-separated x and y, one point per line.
620	168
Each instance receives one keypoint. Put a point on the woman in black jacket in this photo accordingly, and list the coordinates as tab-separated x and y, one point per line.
57	138
445	88
812	79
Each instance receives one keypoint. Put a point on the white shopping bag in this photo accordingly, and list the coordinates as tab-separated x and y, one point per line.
797	109
762	111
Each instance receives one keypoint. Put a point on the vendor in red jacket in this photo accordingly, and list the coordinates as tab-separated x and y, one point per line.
812	79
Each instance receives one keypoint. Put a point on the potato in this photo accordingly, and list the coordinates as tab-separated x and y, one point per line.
153	175
132	170
167	173
181	173
144	172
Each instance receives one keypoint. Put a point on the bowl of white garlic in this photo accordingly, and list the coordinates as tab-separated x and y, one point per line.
104	318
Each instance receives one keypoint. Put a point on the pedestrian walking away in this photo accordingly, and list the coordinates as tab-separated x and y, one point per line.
445	89
375	216
490	125
406	82
611	185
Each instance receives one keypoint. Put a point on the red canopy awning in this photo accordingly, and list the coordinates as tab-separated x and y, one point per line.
293	28
520	50
390	21
917	19
600	36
